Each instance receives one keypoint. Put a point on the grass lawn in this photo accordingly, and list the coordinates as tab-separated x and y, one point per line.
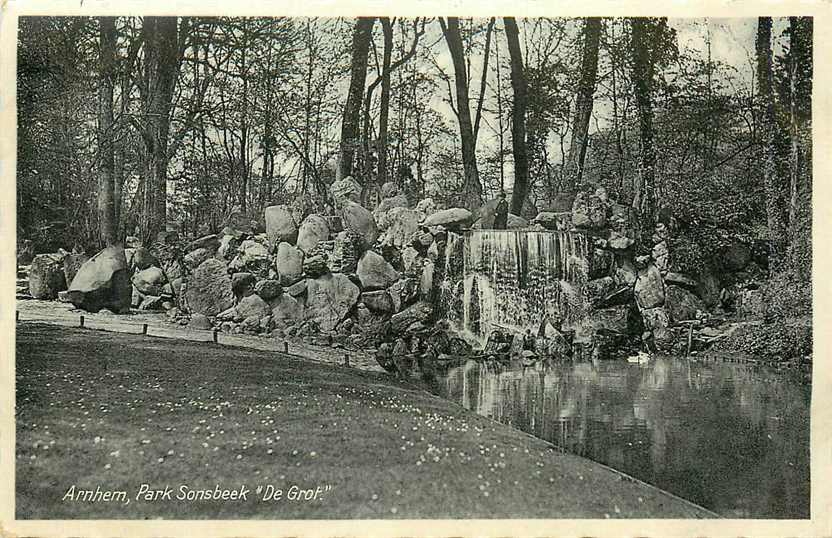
115	411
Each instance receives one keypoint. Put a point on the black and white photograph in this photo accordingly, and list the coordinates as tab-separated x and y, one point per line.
412	268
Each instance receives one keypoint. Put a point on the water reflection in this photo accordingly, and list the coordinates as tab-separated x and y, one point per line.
733	438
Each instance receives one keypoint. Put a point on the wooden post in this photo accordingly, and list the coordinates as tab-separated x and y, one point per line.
215	336
82	321
285	347
144	329
347	360
690	340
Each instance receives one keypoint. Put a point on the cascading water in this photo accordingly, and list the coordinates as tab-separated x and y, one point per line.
513	280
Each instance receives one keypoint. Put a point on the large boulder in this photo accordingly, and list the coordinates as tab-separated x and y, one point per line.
374	272
252	257
285	309
280	225
46	276
228	246
624	271
453	219
149	281
72	263
402	224
253	306
649	288
378	301
612	320
209	288
346	251
661	256
554	221
288	263
589	211
313	230
268	289
103	281
420	311
426	206
329	298
194	258
360	221
382	211
200	322
242	284
345	190
682	304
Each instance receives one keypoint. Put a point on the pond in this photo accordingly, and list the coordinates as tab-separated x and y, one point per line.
731	437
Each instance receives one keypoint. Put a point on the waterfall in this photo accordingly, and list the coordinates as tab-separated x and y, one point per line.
512	280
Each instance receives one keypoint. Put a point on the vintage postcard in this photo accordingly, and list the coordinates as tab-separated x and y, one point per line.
419	270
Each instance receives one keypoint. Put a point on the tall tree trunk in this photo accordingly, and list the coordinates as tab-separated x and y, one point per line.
774	185
583	103
800	162
361	36
106	176
645	200
518	118
383	114
471	187
161	64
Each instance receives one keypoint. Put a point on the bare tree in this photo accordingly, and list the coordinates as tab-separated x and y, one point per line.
573	170
518	115
773	184
645	199
161	66
471	188
106	75
362	34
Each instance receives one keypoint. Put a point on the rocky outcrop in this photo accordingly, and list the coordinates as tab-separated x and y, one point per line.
285	309
345	190
46	276
208	289
313	230
252	257
253	306
329	298
361	221
268	289
289	264
280	225
374	272
682	304
242	284
72	263
418	312
453	219
381	212
649	288
378	301
103	281
194	258
589	211
150	281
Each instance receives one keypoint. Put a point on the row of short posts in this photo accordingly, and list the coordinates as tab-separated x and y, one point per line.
215	336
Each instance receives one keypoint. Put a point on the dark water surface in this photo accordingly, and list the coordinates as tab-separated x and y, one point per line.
730	437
